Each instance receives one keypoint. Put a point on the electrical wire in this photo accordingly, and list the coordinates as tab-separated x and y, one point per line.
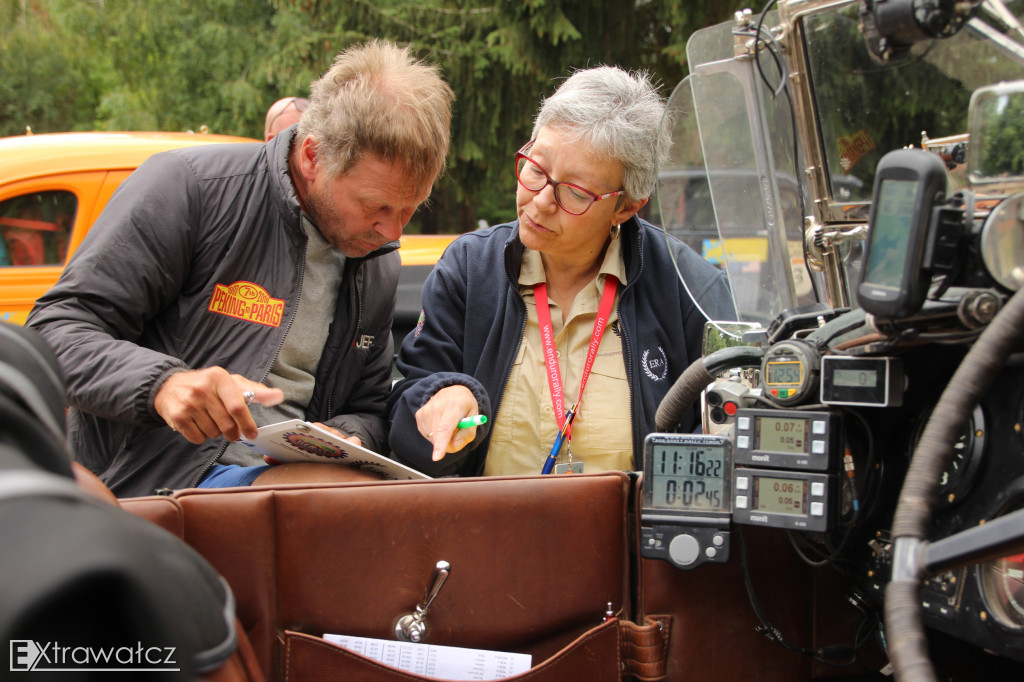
821	655
686	286
769	630
827	552
779	63
870	496
764	37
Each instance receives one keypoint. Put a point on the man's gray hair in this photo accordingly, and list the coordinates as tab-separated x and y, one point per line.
379	99
618	115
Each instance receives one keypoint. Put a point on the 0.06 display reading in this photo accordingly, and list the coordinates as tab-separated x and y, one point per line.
780	495
688	478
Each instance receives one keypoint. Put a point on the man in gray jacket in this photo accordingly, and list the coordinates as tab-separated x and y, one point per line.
224	275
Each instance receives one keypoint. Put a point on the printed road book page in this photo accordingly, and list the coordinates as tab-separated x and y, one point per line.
299	441
446	662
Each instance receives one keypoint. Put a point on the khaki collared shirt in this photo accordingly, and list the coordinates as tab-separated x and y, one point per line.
525	426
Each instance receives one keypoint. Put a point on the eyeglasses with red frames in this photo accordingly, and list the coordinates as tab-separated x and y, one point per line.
572	199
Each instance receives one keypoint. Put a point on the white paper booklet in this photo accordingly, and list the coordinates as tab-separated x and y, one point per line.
299	441
447	662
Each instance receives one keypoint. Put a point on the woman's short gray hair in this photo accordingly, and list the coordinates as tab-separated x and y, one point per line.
617	114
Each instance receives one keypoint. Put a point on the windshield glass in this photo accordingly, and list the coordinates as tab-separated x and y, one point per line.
731	189
737	187
866	108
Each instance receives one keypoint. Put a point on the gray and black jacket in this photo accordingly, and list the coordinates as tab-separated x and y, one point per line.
197	261
474	316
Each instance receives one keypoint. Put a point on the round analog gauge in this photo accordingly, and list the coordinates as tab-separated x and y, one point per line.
1002	243
959	474
1002	586
789	372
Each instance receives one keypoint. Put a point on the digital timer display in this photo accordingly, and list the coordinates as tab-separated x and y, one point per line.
875	381
783	372
688	477
782	434
780	495
686	511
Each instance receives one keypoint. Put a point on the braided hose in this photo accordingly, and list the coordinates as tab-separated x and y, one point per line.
695	378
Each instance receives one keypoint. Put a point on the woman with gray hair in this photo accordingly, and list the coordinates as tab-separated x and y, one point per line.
567	326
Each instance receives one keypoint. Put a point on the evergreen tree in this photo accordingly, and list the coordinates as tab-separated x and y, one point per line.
180	65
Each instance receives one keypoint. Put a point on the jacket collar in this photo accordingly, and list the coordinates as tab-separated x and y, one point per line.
631	233
282	190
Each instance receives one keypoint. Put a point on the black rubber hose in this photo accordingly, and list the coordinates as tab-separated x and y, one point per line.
908	647
696	377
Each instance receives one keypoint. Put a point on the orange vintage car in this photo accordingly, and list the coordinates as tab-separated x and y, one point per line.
53	186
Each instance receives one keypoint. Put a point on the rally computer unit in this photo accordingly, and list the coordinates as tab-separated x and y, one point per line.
687	498
784	468
909	183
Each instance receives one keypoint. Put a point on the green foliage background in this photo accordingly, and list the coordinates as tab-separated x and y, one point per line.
181	64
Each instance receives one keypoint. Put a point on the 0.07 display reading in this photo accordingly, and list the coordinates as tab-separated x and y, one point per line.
688	478
783	435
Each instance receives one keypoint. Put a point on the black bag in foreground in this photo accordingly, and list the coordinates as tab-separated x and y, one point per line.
87	588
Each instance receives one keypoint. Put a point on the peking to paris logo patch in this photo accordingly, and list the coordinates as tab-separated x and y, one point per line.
247	301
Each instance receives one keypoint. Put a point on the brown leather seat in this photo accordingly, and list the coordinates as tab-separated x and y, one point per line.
535	562
91	483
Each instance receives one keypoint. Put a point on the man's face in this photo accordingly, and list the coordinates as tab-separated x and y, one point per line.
367	207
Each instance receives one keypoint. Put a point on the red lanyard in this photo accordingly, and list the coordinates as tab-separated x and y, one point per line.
547	337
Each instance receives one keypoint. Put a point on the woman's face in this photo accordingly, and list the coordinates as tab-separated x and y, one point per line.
545	227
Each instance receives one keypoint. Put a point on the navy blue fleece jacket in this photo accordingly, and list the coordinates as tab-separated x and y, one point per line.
473	319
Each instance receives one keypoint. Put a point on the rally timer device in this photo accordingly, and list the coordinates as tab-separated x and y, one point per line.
687	498
789	372
785	464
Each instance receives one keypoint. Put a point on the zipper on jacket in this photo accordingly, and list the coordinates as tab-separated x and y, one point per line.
508	367
209	465
627	357
333	376
347	347
266	372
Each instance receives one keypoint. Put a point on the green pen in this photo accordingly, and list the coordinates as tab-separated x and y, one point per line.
473	420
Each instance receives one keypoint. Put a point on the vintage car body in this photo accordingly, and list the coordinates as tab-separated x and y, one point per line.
896	548
84	168
76	173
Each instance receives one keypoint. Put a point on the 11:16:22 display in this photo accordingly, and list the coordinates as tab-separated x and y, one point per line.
688	478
